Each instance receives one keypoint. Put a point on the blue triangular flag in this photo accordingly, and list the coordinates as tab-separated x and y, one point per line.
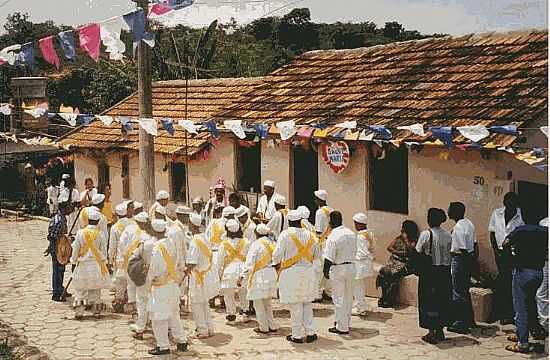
541	167
85	119
136	23
26	56
382	131
261	130
168	125
179	4
443	133
67	44
340	134
211	126
126	125
505	129
320	126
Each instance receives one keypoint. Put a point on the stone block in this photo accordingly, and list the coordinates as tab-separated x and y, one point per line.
482	303
408	290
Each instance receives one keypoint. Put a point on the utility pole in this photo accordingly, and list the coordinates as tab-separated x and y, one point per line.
145	99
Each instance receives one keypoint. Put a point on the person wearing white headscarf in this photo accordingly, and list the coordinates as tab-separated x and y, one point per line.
247	225
178	233
305	218
266	205
67	187
364	260
278	221
163	198
323	231
262	279
116	255
163	303
89	254
98	201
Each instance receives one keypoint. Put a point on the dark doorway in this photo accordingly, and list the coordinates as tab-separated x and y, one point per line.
390	181
178	188
306	179
533	199
249	168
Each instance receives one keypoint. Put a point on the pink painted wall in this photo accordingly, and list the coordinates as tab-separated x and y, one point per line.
276	166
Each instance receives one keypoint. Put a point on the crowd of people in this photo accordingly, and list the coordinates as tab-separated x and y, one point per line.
221	249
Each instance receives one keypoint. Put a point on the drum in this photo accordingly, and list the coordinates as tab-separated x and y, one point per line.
63	250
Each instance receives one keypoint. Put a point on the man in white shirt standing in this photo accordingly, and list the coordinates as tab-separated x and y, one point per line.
266	205
503	221
89	192
163	198
323	230
339	254
247	226
279	221
52	192
363	262
463	248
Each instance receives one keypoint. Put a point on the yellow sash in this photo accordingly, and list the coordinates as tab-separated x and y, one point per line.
217	232
203	248
304	252
133	246
170	268
264	260
233	254
120	227
90	235
323	237
84	216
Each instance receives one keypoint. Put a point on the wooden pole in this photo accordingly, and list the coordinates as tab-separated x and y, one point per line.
145	99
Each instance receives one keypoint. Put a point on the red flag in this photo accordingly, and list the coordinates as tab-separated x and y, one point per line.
90	40
48	51
159	9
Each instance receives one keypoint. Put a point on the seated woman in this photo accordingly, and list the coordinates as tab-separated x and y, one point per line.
399	264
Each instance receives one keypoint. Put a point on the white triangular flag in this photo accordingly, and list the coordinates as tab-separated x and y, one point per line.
36	112
544	130
110	36
106	120
366	137
149	125
417	129
189	126
5	109
236	127
287	129
68	117
347	125
474	133
8	55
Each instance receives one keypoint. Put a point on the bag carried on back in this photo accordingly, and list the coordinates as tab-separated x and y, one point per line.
137	268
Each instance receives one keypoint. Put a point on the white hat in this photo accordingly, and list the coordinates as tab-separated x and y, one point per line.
195	219
183	210
160	209
121	209
360	218
65	176
28	166
241	211
94	215
127	202
98	199
63	197
304	211
544	222
142	217
280	200
163	195
158	225
227	211
138	205
321	194
294	215
262	229
232	225
197	200
269	183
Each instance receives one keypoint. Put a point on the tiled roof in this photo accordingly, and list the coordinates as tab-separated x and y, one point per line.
204	98
489	79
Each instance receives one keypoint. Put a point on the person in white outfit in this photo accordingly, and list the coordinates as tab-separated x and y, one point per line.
262	279
89	255
52	193
163	303
88	193
323	230
98	201
247	225
203	282
178	233
305	218
278	221
163	198
363	263
295	253
67	187
266	205
231	259
146	245
340	252
120	232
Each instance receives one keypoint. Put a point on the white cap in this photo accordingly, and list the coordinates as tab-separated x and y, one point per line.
227	211
269	183
232	225
65	176
360	218
163	195
28	166
128	202
544	222
138	205
197	200
241	211
93	214
321	194
304	211
294	215
121	209
160	209
183	210
158	225
195	219
142	217
280	200
262	229
63	197
98	199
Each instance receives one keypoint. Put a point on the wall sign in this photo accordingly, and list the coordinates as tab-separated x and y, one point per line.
336	155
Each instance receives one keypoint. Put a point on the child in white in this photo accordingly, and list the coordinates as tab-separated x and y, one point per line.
363	262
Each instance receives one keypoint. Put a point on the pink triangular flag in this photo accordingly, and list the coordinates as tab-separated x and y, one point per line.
90	40
48	51
159	10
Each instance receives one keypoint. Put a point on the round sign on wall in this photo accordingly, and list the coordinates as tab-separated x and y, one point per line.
336	155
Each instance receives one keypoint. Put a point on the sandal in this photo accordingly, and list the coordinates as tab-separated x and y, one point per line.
517	349
257	330
430	339
512	338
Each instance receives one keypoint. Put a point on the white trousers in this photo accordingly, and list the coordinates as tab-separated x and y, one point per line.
202	318
359	295
343	283
301	316
160	330
142	297
82	298
131	288
121	284
322	285
230	302
264	315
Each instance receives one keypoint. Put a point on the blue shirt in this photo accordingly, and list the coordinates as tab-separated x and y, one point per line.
57	227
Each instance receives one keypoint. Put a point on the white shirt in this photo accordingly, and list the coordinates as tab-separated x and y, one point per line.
248	231
286	248
321	219
498	225
53	193
124	230
100	243
195	256
341	246
180	236
277	224
235	269
267	207
255	253
463	236
74	195
219	223
91	193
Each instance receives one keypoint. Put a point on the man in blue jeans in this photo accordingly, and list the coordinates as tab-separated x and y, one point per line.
529	247
56	228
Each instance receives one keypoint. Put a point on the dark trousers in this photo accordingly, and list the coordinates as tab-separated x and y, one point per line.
525	285
504	305
58	272
461	271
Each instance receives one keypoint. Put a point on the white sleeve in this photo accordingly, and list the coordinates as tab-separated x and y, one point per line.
193	254
330	250
76	247
319	221
362	248
220	259
279	249
492	222
422	241
274	224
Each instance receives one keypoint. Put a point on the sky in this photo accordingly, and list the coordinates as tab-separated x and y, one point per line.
455	17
